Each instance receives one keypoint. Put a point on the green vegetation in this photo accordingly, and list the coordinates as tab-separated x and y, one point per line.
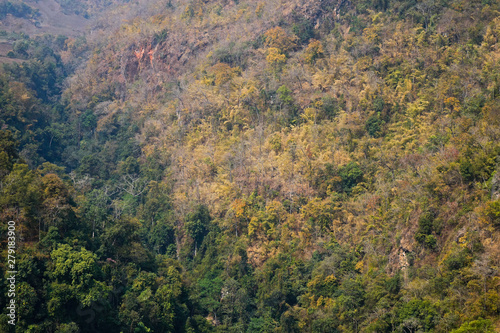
17	9
256	166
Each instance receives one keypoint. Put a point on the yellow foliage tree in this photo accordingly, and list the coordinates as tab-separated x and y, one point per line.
275	59
278	38
314	51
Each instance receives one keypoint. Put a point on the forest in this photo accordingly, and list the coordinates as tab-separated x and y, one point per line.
196	166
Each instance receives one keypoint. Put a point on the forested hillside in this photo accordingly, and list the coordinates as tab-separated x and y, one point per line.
255	166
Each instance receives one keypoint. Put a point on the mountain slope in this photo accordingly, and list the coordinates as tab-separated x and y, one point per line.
299	166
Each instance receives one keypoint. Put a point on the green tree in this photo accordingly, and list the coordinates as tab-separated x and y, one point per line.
75	283
8	152
197	225
351	174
